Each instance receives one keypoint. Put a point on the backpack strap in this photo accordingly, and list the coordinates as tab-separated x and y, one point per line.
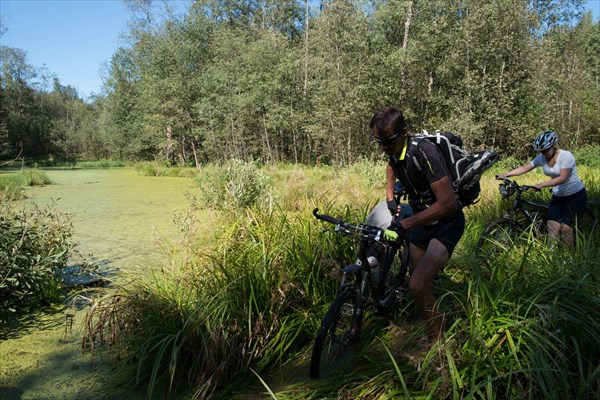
414	144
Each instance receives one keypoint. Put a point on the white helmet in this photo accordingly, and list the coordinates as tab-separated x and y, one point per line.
544	141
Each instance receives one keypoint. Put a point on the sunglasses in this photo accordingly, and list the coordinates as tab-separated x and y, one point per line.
386	141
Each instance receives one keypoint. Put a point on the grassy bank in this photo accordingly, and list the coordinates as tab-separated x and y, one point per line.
249	306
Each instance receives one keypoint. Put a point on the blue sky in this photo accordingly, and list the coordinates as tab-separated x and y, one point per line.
74	38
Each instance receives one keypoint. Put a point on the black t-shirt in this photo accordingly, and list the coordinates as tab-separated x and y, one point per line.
422	165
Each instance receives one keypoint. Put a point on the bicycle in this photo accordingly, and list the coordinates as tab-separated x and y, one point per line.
525	219
374	280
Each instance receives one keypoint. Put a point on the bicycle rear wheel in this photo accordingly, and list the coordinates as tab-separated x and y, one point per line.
586	224
496	238
339	330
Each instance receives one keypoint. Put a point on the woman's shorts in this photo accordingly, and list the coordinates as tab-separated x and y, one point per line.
566	209
447	230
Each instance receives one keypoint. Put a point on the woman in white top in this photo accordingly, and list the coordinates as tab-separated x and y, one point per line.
569	198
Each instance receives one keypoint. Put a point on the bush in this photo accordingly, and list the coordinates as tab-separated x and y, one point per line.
34	248
34	177
237	184
588	156
371	171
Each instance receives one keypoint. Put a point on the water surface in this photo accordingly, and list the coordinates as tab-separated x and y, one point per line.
117	214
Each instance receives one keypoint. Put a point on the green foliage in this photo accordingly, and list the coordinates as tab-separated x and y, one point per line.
234	185
34	177
520	328
34	248
153	169
248	303
588	156
277	82
99	164
372	171
506	164
11	184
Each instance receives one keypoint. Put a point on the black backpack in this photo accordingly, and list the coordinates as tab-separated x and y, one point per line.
466	168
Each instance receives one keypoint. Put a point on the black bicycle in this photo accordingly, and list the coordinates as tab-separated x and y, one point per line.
524	221
375	280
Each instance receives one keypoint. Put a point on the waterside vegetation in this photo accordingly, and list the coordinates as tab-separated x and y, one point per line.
249	304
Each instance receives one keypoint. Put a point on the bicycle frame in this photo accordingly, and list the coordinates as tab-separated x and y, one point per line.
359	288
361	269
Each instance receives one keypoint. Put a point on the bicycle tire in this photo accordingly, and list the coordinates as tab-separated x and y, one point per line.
338	329
395	285
496	238
586	224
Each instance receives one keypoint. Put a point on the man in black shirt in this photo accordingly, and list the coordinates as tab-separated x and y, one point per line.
437	223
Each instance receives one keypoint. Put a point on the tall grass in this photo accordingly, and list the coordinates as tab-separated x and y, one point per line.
525	327
155	169
11	185
248	303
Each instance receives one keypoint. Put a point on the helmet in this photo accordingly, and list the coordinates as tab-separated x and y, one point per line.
544	141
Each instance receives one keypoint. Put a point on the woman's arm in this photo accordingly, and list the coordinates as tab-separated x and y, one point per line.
562	178
517	171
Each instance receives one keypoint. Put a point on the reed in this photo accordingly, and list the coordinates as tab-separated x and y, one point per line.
246	310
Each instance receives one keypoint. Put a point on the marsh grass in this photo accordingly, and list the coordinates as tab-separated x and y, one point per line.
11	185
155	169
248	303
525	327
82	164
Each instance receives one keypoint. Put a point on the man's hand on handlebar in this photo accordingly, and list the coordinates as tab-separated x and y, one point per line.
395	231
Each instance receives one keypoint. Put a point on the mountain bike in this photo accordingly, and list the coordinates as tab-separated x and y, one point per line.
374	281
525	220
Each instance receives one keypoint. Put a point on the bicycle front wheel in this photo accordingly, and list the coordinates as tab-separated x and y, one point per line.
395	283
339	330
496	239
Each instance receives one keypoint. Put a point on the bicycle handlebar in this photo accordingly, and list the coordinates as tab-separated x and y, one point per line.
368	231
508	187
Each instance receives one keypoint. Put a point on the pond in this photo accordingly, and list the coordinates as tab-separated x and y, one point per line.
121	220
119	217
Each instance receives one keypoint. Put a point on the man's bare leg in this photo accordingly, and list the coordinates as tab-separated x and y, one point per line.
427	264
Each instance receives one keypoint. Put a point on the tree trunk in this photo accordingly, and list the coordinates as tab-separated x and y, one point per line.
407	23
169	149
267	143
306	51
195	155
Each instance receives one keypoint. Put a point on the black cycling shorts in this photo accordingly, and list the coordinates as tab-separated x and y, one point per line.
566	209
448	231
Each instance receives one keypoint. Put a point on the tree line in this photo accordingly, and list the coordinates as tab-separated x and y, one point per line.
297	81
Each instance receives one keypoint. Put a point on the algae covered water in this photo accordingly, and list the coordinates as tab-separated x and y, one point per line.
119	217
121	221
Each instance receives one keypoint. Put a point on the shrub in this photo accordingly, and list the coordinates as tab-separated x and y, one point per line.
237	184
588	156
34	248
34	177
247	304
371	171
